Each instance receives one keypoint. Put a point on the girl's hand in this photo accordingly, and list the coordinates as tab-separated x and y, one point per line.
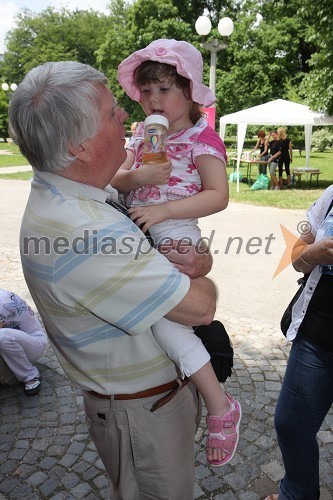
154	173
144	217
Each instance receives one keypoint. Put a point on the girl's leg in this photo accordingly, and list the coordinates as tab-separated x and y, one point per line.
305	399
187	351
19	350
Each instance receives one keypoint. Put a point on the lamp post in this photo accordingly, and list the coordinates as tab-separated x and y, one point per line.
225	28
4	103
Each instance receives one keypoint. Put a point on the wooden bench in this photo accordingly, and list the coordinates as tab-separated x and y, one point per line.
314	174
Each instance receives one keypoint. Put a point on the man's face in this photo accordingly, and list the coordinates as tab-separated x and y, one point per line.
106	148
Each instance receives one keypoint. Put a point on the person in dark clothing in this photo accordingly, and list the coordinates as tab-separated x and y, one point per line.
275	151
263	154
286	156
307	390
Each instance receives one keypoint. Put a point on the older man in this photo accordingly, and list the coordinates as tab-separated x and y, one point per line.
99	286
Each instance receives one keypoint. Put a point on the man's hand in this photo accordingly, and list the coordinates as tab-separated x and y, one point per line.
188	259
2	324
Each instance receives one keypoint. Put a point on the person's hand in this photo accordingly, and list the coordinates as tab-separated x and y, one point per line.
188	259
144	217
320	252
155	173
2	324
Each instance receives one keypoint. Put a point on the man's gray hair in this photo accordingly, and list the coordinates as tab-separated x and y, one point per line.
56	106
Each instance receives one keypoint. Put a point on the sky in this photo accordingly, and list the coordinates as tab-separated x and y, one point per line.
8	9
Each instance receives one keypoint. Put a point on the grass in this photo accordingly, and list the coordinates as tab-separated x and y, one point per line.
298	198
13	159
22	176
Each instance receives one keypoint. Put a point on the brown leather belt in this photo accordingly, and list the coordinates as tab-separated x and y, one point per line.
173	387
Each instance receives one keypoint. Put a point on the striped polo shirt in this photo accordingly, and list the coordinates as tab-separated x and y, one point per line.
98	286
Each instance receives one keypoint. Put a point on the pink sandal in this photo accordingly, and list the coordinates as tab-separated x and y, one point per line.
216	437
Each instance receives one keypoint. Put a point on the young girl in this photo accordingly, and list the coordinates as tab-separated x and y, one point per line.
165	78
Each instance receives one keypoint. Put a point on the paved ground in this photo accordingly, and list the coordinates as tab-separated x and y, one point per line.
45	452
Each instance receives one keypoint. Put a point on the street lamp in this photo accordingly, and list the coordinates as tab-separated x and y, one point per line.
6	87
225	28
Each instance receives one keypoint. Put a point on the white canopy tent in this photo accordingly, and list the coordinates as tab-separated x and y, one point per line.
278	112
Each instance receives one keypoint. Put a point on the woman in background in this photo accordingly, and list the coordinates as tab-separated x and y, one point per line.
286	155
261	145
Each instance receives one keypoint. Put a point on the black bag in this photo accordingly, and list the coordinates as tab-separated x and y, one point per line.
217	342
286	318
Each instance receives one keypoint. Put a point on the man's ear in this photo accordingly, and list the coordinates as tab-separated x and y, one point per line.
80	153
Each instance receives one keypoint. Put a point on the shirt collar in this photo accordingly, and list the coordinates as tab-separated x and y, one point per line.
76	188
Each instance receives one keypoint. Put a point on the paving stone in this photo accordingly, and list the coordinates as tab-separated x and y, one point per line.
70	480
235	480
48	487
101	481
81	490
37	478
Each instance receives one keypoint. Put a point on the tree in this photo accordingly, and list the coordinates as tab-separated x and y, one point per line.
318	84
52	36
266	55
3	115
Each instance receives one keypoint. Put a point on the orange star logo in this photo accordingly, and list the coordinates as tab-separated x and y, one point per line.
290	241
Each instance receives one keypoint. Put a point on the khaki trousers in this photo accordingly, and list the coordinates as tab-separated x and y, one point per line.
149	456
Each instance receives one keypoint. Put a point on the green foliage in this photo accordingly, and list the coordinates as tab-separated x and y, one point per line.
3	114
318	84
279	48
322	139
52	36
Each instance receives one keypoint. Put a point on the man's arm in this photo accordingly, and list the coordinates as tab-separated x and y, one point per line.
198	306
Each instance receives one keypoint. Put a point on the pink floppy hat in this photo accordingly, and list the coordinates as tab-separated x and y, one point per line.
186	58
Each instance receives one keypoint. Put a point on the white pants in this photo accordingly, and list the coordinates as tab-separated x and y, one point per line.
20	349
178	341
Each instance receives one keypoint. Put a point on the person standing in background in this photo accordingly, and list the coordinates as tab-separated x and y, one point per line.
263	152
286	156
275	152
